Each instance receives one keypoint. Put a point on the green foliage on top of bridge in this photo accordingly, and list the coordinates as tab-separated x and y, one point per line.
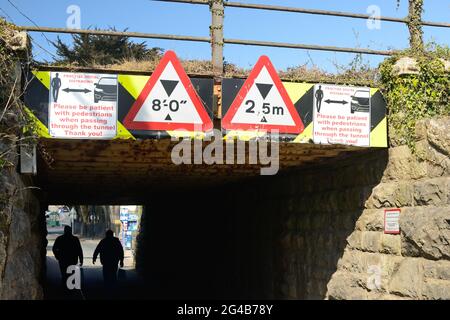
424	92
87	50
14	54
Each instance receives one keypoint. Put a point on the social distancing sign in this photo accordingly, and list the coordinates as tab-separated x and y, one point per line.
82	105
341	115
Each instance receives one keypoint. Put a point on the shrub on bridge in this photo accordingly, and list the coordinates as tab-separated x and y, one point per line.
14	55
421	93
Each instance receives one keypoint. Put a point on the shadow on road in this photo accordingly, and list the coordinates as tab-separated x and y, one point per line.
129	285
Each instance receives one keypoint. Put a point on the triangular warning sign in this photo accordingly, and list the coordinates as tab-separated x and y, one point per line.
263	103
168	101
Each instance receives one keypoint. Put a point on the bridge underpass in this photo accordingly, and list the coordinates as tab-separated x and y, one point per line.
219	231
124	171
315	230
215	230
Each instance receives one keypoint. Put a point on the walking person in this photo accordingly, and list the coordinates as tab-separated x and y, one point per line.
111	254
67	250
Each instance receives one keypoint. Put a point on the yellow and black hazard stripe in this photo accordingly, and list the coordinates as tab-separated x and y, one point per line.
378	120
36	100
129	88
302	95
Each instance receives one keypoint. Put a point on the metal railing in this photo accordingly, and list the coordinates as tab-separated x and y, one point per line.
217	39
308	11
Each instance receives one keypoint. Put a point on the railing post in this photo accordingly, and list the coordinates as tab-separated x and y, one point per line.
216	30
415	24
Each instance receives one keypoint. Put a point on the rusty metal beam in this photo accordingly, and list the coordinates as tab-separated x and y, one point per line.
116	33
307	47
309	11
207	39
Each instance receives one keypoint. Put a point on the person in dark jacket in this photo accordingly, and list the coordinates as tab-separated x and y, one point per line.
67	250
111	253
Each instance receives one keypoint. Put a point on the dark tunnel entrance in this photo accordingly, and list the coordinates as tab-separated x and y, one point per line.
222	232
84	277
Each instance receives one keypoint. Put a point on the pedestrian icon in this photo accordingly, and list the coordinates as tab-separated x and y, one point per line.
319	97
56	84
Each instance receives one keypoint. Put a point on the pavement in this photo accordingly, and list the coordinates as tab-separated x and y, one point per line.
129	285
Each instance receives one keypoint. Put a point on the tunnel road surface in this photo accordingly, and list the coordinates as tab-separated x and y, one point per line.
129	284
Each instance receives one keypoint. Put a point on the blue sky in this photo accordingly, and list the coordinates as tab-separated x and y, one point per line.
185	19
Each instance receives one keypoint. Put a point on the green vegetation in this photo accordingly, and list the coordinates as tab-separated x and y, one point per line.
12	116
88	50
416	96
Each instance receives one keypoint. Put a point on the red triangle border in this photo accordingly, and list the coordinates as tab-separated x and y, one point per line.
226	120
129	122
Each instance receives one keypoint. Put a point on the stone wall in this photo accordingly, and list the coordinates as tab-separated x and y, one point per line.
22	223
269	237
416	263
22	236
313	233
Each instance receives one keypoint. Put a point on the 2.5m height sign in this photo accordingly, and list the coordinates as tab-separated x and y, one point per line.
263	104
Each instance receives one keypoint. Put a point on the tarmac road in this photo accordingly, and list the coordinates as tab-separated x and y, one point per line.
129	286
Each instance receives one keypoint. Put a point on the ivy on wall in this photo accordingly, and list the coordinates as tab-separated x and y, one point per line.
416	96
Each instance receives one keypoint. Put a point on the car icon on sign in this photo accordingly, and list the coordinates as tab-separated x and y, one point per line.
360	101
105	89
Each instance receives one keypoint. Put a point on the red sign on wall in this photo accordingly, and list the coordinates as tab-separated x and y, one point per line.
391	221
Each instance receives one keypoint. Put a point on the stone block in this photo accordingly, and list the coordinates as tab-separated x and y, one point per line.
386	195
408	279
346	286
403	165
20	229
20	275
391	244
425	232
405	66
354	240
436	290
432	192
371	241
437	163
371	220
439	270
438	134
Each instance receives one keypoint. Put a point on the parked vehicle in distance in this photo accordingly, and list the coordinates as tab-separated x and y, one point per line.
105	89
360	101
